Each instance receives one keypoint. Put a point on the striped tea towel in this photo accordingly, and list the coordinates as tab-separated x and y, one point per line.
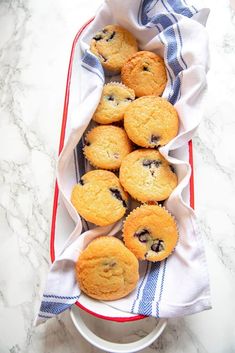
179	285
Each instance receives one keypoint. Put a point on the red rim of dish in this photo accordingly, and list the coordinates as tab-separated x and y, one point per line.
56	193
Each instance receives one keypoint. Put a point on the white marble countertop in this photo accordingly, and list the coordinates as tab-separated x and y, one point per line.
35	43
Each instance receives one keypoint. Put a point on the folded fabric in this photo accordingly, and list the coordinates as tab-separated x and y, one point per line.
179	285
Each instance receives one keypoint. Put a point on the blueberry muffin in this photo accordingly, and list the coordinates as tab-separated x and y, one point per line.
147	176
99	198
150	232
145	73
106	269
151	121
106	146
113	103
113	45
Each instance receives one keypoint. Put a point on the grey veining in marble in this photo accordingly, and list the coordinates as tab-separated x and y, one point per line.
35	42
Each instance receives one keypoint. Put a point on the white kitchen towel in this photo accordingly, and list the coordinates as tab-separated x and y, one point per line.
179	285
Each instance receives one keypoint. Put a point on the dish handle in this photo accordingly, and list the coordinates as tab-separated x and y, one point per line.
112	347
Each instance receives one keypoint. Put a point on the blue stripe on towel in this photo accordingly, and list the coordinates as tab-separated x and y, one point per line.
174	97
161	288
195	9
172	59
59	296
140	287
166	24
181	9
152	4
91	70
91	63
161	19
53	308
145	306
168	38
181	43
75	165
146	7
177	26
167	69
173	48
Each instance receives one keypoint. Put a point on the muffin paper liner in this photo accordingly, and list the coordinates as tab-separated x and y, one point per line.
93	164
146	204
116	83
